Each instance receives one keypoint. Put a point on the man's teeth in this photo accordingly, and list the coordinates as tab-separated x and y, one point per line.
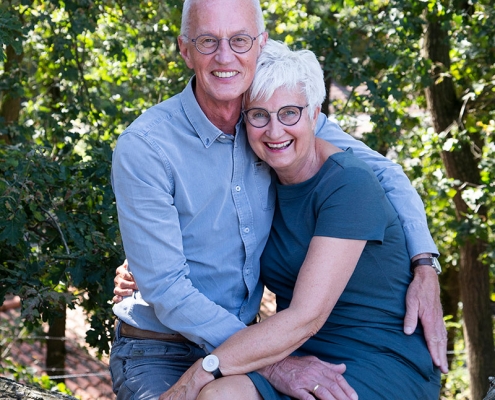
279	145
225	74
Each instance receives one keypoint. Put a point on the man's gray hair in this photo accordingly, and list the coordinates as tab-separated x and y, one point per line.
186	18
278	66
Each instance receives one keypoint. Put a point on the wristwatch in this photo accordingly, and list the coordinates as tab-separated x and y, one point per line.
211	364
431	261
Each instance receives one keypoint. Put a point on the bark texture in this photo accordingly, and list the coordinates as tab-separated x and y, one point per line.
461	164
11	390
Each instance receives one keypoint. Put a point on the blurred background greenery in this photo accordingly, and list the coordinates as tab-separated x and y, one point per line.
74	74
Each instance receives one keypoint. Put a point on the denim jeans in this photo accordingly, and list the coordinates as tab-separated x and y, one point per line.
145	368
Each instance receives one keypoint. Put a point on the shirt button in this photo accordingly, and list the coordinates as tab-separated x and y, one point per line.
222	137
238	188
246	230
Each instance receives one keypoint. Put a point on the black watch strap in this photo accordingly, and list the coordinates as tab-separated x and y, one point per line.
431	261
217	373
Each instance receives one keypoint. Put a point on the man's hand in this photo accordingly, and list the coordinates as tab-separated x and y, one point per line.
124	283
299	376
423	302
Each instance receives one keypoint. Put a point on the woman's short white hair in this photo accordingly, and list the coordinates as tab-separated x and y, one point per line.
186	18
278	66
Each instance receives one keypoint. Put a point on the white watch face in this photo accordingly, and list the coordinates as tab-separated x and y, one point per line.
210	363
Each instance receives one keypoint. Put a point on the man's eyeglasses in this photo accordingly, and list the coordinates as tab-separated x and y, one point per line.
287	115
208	44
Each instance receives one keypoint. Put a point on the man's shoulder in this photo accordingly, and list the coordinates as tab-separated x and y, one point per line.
158	115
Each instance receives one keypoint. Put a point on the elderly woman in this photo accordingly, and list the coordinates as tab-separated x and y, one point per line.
332	259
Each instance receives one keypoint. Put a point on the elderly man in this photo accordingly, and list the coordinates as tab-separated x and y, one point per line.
195	207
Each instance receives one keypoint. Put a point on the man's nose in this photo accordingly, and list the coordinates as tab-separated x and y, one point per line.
224	53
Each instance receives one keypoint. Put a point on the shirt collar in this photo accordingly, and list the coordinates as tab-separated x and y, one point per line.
203	127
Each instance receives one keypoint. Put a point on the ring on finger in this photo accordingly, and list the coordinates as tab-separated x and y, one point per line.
316	388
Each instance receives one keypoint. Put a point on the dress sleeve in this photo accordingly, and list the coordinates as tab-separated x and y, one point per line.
354	208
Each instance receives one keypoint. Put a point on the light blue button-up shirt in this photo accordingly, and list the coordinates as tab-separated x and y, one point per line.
195	207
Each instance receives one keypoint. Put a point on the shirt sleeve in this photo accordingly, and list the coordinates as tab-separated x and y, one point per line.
394	181
151	234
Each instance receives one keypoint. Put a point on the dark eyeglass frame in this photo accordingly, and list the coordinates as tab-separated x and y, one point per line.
195	41
300	108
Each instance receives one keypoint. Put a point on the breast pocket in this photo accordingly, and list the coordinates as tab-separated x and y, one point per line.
264	185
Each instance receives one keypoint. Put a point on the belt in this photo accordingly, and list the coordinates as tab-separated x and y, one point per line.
129	331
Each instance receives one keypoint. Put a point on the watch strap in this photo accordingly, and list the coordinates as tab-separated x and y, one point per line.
431	261
217	373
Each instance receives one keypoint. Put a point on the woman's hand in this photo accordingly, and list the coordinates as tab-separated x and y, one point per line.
190	384
298	377
125	284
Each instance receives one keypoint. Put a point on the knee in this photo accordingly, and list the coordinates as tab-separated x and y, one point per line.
238	387
215	390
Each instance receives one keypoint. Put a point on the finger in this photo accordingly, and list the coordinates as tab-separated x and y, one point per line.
335	368
412	315
121	271
440	358
335	393
346	388
437	345
117	299
122	292
124	285
339	388
304	394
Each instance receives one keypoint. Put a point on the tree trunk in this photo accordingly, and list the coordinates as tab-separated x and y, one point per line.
55	348
10	101
451	296
478	329
461	164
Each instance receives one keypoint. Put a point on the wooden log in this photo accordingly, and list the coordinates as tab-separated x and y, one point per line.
12	390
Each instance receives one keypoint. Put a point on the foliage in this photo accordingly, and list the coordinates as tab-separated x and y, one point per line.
90	67
58	234
11	32
22	373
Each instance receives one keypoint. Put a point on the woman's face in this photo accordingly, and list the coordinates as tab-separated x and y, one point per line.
285	148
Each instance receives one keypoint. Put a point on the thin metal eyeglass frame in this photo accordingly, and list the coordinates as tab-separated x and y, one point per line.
253	38
300	108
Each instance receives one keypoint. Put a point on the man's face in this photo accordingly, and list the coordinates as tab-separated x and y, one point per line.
224	75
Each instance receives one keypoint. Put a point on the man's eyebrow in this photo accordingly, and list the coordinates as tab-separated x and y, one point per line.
242	31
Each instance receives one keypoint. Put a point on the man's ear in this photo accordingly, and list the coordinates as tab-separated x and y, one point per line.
185	51
315	116
263	38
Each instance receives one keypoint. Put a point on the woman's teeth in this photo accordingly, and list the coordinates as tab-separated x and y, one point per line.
278	146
